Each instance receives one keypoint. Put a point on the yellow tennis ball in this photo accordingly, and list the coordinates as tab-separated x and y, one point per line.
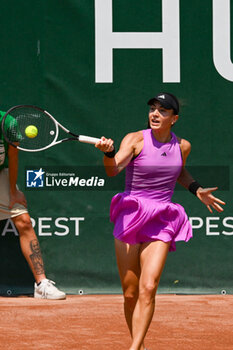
31	131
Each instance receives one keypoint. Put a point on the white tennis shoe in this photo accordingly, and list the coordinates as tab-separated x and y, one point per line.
47	290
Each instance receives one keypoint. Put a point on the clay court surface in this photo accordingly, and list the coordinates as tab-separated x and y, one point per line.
96	322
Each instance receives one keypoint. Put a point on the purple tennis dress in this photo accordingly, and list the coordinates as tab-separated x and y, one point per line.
144	211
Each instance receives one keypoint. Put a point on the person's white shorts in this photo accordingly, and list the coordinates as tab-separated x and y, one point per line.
5	212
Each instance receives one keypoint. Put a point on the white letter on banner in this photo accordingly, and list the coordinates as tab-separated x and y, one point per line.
209	225
198	225
226	224
77	224
222	39
41	226
168	40
65	227
9	227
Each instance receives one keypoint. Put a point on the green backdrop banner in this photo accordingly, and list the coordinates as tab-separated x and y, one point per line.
93	65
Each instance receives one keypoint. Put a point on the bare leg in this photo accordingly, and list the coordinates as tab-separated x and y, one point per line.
153	257
129	271
30	246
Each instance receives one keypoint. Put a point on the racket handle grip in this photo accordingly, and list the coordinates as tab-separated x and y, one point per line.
88	139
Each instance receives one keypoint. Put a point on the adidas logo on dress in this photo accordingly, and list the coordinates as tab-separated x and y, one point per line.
164	154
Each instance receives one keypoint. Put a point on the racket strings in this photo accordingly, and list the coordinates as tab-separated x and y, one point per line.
31	128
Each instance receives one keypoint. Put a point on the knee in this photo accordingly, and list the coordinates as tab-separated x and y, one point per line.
130	299
147	292
23	223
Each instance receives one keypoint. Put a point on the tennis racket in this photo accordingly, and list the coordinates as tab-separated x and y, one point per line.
32	129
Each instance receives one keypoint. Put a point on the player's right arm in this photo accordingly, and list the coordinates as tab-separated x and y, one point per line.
115	165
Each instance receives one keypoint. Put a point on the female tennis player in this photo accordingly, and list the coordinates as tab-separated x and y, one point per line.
147	224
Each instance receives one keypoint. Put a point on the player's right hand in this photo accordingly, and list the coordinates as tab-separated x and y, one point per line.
105	145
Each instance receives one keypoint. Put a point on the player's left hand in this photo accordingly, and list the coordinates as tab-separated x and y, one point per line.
206	197
17	197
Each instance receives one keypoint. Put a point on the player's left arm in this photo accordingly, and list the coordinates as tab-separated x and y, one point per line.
186	180
16	196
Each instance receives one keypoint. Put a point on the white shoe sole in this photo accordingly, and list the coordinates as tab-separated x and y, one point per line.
39	296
